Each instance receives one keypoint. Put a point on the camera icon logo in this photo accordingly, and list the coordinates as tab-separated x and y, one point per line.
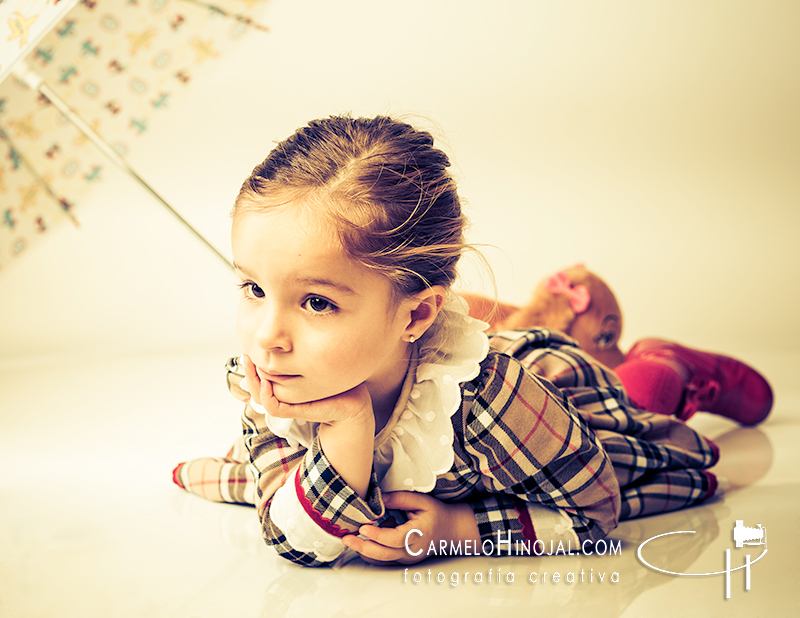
742	535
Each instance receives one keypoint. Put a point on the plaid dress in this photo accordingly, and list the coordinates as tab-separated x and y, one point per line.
547	447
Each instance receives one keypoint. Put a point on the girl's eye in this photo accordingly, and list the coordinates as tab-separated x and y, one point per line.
252	290
316	304
604	340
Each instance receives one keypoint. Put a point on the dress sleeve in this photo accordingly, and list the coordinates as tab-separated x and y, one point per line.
221	479
304	505
545	472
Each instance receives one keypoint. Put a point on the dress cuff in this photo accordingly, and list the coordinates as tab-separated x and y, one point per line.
315	507
497	516
330	501
548	525
507	519
302	532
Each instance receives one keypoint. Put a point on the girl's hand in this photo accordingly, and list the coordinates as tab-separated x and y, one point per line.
436	521
353	405
346	430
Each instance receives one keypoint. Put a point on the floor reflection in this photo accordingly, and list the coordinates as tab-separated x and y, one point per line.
464	584
357	589
91	525
746	456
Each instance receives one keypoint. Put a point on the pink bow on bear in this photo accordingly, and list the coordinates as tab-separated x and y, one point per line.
579	297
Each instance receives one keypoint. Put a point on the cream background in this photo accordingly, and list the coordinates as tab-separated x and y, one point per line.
657	142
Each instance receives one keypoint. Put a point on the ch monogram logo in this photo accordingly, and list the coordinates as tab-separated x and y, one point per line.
742	535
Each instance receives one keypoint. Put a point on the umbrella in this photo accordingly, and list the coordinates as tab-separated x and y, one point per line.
84	84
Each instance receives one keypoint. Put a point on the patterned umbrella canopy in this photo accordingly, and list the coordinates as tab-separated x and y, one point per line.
84	84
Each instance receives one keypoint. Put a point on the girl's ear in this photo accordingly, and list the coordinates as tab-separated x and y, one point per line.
424	308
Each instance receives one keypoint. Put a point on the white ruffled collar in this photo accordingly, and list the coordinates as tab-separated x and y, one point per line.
416	444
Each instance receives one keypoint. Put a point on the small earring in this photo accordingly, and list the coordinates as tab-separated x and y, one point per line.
412	339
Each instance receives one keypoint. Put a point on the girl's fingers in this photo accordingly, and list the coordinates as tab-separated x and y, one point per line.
251	382
261	390
407	500
352	405
269	401
374	552
279	409
388	537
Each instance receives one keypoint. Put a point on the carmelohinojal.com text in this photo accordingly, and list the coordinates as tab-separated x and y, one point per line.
521	548
503	547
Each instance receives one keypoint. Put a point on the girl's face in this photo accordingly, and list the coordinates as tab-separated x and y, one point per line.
313	321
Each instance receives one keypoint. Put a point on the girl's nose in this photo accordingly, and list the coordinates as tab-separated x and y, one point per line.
272	333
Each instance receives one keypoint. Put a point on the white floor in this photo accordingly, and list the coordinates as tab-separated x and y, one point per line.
91	524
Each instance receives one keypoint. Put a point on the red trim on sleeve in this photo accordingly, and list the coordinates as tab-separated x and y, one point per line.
176	475
318	519
525	519
712	484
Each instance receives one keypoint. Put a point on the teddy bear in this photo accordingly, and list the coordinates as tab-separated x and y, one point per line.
659	376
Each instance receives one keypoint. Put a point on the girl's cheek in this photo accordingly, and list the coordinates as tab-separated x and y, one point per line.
245	323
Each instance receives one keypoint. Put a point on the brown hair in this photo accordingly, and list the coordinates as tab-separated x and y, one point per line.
383	186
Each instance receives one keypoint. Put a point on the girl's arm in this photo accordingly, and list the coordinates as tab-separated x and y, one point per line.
332	492
304	505
348	441
346	425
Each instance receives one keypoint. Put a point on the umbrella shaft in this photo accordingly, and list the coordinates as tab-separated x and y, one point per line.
30	78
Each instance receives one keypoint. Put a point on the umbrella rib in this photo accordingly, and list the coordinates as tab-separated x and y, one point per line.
247	21
23	160
29	77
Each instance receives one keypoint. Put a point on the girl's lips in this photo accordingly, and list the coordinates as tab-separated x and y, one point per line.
275	377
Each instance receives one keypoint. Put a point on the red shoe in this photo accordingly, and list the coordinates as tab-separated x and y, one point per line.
709	382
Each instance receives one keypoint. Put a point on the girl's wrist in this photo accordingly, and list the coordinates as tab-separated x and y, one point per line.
348	446
462	523
354	432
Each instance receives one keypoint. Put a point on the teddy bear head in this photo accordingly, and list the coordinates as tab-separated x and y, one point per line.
580	304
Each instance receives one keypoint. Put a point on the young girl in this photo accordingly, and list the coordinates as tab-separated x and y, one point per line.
370	389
